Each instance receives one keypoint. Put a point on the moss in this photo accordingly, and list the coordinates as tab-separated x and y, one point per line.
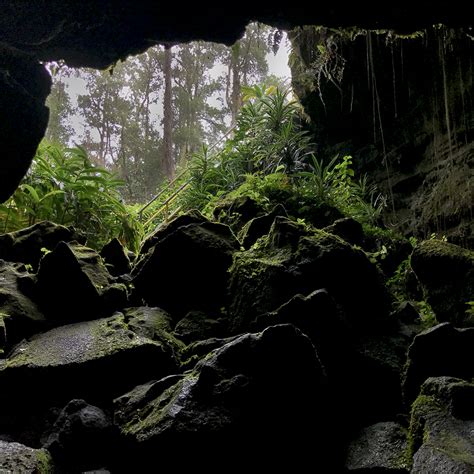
44	462
417	434
148	418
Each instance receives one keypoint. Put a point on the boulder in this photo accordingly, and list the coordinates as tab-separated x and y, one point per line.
439	351
19	315
29	244
259	226
198	326
74	285
236	212
242	402
347	229
115	258
16	457
442	427
379	448
187	269
166	229
148	322
82	438
95	360
446	273
290	261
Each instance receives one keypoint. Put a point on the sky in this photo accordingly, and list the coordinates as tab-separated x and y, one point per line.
277	64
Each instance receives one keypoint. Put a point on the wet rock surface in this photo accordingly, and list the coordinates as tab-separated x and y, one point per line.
15	457
296	337
442	427
379	448
446	272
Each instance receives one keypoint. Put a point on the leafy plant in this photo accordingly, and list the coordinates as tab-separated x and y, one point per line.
63	186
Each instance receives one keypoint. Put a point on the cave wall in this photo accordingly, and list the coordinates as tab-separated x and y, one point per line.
403	108
98	34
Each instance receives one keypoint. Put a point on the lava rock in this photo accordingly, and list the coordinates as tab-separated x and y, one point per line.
74	285
29	244
83	437
21	318
115	258
347	229
16	457
446	273
440	440
440	351
148	322
290	262
241	394
166	229
260	226
379	448
187	269
95	360
238	211
197	326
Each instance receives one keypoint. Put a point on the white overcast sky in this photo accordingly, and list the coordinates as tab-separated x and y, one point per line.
277	64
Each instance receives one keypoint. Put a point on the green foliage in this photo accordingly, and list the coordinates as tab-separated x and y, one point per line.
270	159
63	186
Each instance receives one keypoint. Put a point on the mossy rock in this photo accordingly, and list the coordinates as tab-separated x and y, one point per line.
74	285
115	258
94	360
440	440
438	351
379	448
20	317
259	226
237	394
446	272
292	260
15	457
27	245
187	269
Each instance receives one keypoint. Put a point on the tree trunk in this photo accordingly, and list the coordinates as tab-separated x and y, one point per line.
168	166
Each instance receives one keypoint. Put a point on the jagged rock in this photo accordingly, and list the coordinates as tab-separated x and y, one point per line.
289	262
187	269
439	351
16	457
318	214
94	360
115	258
442	427
196	326
379	448
83	437
406	313
74	285
19	315
164	230
148	322
259	226
238	211
348	229
28	245
246	394
446	273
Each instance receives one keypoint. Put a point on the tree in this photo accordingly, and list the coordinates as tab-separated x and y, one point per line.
199	116
168	164
247	63
60	107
